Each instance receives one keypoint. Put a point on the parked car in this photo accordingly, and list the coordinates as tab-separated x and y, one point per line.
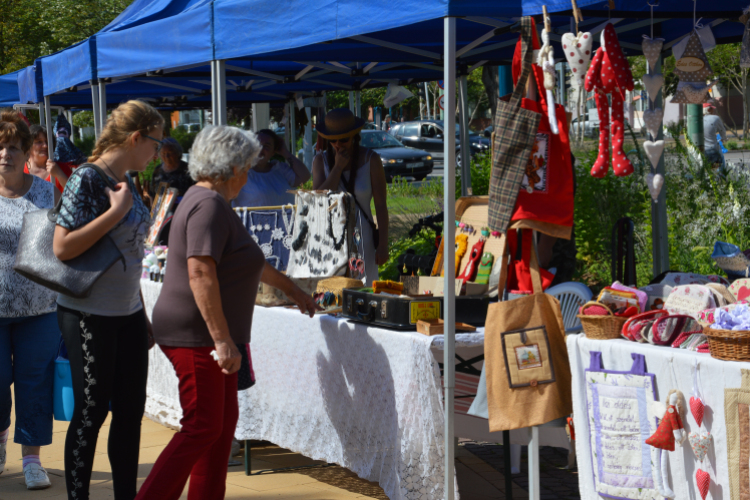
429	134
590	127
398	159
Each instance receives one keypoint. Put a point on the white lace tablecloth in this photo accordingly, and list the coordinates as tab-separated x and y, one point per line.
368	399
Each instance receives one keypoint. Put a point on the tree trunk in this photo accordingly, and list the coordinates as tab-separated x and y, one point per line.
491	81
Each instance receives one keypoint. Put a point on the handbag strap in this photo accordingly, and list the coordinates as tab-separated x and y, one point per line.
527	56
54	212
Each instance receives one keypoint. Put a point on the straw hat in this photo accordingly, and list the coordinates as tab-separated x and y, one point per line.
339	124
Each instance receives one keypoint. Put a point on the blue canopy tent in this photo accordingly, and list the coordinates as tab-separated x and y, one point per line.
9	89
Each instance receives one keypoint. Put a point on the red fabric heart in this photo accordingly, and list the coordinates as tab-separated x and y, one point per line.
697	408
743	293
702	479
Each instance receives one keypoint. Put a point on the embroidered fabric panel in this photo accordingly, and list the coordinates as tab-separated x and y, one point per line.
737	420
272	231
621	418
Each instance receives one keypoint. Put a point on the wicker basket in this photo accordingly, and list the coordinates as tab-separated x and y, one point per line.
602	327
336	285
731	345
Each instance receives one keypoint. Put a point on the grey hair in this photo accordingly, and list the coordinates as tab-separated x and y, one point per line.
171	143
219	148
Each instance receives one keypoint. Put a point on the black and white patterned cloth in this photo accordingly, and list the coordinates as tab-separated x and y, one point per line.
20	297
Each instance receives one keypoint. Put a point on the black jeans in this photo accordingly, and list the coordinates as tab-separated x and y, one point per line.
109	364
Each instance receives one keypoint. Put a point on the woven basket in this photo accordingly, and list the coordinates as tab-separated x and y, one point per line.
602	327
731	345
337	285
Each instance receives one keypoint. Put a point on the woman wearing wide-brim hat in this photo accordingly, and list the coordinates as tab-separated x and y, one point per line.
345	166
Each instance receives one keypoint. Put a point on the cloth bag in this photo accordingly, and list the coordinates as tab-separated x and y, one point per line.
528	373
547	191
514	140
36	261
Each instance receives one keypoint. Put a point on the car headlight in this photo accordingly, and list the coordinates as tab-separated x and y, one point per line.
427	158
393	162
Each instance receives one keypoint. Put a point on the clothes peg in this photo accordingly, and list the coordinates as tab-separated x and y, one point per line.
547	26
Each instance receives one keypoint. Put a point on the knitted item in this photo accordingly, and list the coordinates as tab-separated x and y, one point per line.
610	74
485	269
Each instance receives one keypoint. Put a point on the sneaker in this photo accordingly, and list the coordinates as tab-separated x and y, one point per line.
36	477
2	457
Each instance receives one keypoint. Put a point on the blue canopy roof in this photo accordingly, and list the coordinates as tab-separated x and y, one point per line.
9	89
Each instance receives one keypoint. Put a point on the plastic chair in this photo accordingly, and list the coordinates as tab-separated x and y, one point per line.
572	295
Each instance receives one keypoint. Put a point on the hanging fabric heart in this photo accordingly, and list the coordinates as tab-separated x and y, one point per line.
696	95
652	84
654	151
700	443
697	408
651	49
654	183
653	119
578	53
702	479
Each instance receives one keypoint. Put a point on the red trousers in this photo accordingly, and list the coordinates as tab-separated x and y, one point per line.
201	449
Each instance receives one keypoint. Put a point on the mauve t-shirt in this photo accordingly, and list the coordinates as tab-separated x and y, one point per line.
204	224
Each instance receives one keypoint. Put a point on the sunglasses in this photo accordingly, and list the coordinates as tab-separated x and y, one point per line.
160	143
340	141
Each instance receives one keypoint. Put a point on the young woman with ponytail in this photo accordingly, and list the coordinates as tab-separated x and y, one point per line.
107	334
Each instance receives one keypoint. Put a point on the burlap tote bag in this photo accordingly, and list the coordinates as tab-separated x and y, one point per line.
515	134
528	373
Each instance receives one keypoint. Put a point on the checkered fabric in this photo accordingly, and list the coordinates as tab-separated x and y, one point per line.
515	134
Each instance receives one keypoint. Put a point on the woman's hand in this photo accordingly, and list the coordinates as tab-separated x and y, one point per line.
381	256
304	301
230	358
342	159
121	200
54	170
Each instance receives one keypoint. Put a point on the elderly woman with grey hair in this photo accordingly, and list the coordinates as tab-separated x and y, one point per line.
172	170
205	310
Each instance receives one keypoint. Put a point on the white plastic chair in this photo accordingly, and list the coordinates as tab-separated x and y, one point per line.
572	295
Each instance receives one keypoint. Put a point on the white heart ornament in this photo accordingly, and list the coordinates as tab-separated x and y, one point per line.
652	84
653	119
651	49
653	151
700	443
577	51
654	183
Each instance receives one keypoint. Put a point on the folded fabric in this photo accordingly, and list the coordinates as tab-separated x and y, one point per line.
690	300
657	295
676	279
642	296
708	316
738	318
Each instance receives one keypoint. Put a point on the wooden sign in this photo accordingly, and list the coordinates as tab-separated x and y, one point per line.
690	64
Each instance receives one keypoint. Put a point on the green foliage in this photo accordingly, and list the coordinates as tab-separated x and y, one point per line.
83	119
481	167
86	145
732	145
184	137
423	243
31	29
638	68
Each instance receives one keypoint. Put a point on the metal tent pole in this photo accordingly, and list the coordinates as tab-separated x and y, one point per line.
221	97
214	94
449	260
358	103
351	101
48	126
102	103
292	128
42	121
95	108
659	228
465	143
308	140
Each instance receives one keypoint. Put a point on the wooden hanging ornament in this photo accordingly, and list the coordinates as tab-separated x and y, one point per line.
693	70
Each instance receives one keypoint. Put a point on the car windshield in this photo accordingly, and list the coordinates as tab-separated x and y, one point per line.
380	140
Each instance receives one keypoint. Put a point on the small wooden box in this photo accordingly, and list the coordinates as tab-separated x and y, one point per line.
436	327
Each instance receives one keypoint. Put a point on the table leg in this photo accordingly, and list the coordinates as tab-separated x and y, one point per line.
506	463
534	484
247	457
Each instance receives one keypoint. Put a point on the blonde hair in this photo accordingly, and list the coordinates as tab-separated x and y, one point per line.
127	119
13	128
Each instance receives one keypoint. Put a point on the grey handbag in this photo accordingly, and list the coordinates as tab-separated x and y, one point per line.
36	261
